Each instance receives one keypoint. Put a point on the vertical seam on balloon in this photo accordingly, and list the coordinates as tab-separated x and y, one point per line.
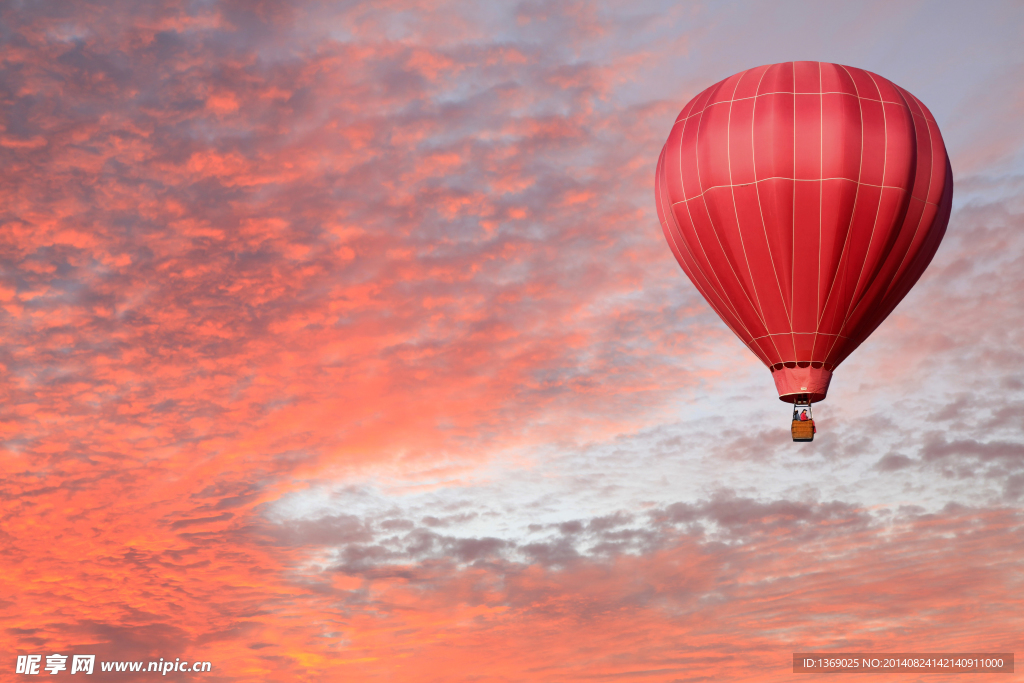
821	200
927	192
853	212
682	185
792	256
696	145
768	244
878	209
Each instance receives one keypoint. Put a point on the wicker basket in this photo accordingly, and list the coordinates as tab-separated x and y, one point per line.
803	430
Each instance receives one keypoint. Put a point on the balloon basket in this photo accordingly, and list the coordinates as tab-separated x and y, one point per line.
803	430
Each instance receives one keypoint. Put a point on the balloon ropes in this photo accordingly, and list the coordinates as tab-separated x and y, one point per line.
804	200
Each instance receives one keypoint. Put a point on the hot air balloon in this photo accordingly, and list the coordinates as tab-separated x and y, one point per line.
804	200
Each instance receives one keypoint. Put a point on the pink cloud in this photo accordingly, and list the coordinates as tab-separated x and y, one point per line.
247	249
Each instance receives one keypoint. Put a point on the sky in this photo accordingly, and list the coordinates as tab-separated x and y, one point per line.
340	341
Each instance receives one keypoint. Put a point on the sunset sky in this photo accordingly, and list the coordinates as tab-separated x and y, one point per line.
341	342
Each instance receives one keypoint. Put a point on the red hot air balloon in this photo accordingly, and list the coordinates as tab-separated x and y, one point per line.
804	200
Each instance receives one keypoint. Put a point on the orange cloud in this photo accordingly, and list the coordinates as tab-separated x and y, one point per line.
251	252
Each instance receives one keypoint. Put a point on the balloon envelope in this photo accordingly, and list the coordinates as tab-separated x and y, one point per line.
804	200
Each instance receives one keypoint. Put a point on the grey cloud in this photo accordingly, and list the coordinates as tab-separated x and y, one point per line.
363	551
472	549
747	515
954	410
558	553
181	523
891	462
1009	414
937	448
573	527
1014	487
397	524
323	531
677	513
599	524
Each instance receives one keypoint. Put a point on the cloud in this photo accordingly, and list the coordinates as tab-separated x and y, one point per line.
892	462
755	577
256	255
